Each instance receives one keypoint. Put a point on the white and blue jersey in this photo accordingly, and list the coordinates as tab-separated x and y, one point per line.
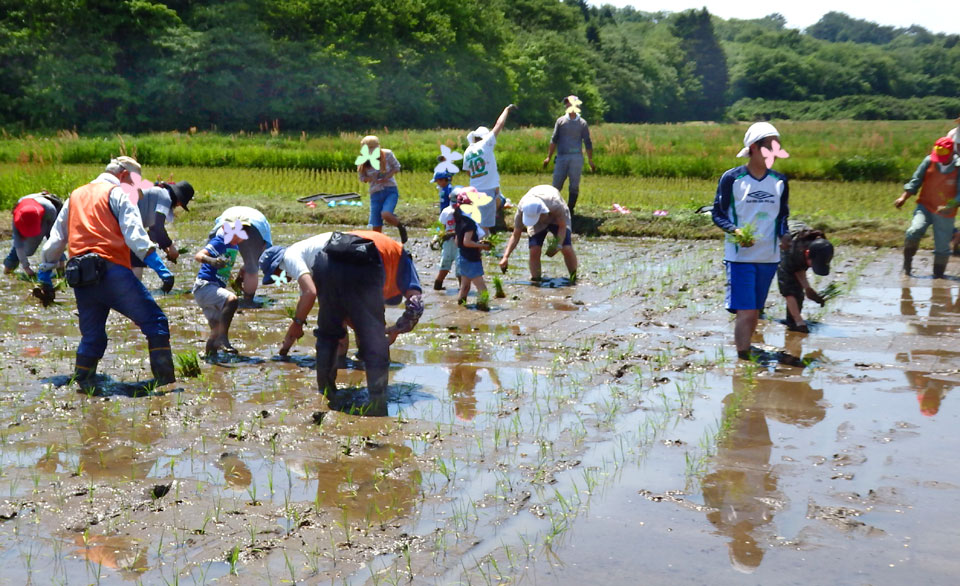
744	199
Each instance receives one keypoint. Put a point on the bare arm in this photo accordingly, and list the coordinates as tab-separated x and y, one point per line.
511	245
550	151
308	296
502	120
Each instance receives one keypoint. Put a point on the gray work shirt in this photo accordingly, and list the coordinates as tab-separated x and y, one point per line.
27	246
127	214
569	133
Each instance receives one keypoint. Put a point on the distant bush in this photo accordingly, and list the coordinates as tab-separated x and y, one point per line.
847	108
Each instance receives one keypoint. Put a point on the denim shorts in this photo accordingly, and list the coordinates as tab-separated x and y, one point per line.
384	200
470	269
748	284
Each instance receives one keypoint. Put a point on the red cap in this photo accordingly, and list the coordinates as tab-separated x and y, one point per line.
27	217
942	150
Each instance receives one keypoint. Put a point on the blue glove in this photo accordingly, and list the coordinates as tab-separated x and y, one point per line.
45	277
153	261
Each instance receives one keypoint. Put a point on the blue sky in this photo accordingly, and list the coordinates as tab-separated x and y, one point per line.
940	17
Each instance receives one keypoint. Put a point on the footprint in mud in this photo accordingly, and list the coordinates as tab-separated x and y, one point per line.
224	358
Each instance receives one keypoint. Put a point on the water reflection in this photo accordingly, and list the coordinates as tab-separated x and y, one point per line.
743	486
114	552
107	443
930	389
944	310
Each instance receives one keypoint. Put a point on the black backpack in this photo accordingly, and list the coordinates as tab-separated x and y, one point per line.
352	249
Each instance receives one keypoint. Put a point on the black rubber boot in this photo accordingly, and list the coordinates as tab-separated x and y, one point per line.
940	265
377	379
85	372
161	360
327	362
909	250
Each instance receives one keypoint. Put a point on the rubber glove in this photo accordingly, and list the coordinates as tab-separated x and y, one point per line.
45	277
154	262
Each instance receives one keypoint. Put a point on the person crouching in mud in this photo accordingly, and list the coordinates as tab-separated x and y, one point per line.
801	249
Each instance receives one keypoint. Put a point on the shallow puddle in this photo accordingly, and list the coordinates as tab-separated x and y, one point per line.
573	433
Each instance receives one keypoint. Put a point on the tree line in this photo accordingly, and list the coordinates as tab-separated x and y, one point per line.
326	65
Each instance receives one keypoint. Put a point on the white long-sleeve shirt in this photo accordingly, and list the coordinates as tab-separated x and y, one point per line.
126	212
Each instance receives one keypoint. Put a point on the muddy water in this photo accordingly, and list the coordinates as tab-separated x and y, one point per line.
570	434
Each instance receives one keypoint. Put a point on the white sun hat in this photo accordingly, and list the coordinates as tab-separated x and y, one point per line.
757	131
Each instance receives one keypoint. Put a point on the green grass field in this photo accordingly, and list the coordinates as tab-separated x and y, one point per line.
857	212
836	150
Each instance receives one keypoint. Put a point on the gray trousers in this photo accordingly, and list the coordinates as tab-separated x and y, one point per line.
568	166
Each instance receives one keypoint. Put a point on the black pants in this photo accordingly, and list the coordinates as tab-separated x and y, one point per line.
351	292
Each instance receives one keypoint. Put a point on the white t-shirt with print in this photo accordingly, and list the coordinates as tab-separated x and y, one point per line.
481	163
446	218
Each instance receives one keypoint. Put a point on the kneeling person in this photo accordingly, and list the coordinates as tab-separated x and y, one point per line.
803	248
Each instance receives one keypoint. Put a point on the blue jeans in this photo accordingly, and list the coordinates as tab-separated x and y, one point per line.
942	229
120	290
384	200
13	260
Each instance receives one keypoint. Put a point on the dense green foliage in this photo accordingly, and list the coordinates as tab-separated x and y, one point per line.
138	65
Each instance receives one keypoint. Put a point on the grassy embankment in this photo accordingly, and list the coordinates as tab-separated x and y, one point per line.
671	167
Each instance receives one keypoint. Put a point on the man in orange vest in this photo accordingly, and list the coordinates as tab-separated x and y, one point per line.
936	179
99	226
352	276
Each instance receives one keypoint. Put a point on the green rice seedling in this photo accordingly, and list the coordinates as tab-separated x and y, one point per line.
232	558
746	237
553	246
498	287
187	364
831	291
483	300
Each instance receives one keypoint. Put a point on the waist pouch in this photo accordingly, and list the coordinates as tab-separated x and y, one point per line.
353	249
84	270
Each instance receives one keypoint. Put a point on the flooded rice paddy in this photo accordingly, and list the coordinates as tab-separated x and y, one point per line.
574	435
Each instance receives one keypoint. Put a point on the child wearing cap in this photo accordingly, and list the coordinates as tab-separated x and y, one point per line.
218	303
33	217
802	248
470	261
936	181
448	246
481	162
751	195
539	211
384	193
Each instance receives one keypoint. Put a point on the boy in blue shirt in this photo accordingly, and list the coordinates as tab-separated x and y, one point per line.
218	303
754	195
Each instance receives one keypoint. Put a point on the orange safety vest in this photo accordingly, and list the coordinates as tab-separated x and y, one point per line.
92	227
938	189
390	252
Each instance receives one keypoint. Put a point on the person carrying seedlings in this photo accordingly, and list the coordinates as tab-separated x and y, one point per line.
33	217
351	276
470	260
210	291
257	228
156	206
98	226
751	206
802	248
448	247
936	181
539	211
480	160
377	166
570	135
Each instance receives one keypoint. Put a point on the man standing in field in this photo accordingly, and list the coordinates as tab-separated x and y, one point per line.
99	226
751	207
936	180
569	133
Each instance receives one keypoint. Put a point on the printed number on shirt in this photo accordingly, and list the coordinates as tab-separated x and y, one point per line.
477	165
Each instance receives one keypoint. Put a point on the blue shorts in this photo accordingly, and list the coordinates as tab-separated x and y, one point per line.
470	269
538	238
748	284
384	200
